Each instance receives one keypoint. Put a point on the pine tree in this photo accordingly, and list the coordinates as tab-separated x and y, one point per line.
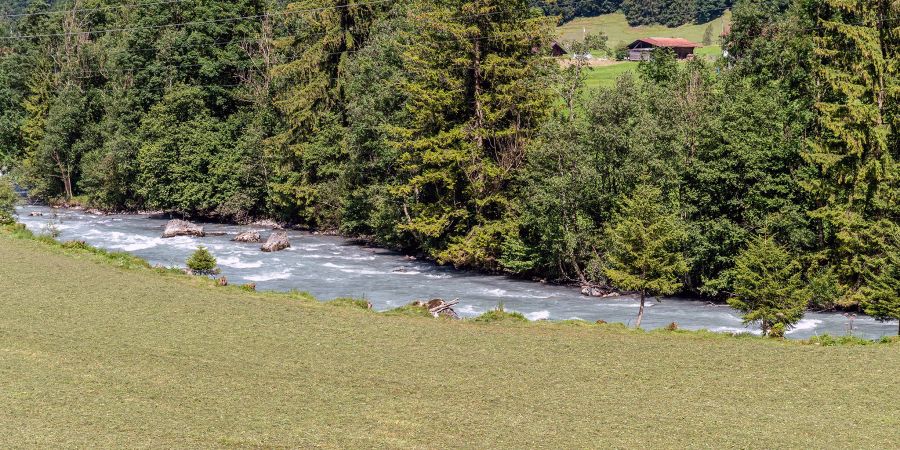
767	286
478	91
854	152
644	247
708	35
310	93
882	296
202	262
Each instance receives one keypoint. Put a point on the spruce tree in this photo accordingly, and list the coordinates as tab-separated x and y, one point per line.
477	93
854	151
767	286
644	247
310	93
202	262
882	296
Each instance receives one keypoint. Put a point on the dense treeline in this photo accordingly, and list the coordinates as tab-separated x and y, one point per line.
438	127
640	12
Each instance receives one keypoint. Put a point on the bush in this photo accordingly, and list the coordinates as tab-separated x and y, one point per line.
8	201
202	262
501	315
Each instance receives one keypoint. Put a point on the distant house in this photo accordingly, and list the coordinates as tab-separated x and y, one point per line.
641	49
557	49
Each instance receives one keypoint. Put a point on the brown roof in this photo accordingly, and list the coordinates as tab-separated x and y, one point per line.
667	42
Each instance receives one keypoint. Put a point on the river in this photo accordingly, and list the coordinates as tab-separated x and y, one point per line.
330	267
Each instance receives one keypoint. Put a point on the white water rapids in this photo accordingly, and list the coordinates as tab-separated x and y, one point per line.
330	267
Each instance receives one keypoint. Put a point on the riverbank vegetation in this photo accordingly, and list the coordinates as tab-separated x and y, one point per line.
444	129
178	361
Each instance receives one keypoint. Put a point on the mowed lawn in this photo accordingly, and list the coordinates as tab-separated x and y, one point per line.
96	356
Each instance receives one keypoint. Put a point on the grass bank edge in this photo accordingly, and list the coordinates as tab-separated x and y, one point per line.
498	316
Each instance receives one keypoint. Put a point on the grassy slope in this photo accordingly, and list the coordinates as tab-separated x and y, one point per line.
616	27
92	355
606	76
619	32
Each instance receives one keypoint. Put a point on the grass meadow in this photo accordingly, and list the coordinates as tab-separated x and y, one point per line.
616	27
94	354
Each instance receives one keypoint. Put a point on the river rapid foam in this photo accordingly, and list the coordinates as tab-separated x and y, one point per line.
330	267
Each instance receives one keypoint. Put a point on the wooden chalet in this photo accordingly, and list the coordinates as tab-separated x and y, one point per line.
641	49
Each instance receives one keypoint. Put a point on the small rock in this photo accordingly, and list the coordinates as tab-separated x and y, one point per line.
177	227
251	237
36	214
277	241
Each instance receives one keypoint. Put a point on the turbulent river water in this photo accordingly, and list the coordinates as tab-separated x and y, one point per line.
331	267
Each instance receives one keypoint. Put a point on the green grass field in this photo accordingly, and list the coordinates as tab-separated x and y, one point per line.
606	76
616	27
93	355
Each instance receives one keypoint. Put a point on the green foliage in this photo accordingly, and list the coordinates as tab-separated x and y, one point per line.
500	314
767	287
882	293
477	90
202	262
644	245
854	150
708	35
8	201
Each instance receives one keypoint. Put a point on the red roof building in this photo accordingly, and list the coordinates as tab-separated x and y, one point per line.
641	49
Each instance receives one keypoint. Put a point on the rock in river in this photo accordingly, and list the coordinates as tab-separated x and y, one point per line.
248	237
277	241
177	227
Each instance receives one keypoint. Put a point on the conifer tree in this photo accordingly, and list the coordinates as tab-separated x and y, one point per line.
882	296
767	286
478	91
310	93
644	242
854	152
202	262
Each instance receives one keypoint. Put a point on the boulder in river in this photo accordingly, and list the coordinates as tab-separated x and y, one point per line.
594	291
277	241
177	227
250	237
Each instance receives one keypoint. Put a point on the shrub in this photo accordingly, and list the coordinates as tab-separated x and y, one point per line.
202	262
8	201
500	315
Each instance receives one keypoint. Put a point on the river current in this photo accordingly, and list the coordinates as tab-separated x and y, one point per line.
330	267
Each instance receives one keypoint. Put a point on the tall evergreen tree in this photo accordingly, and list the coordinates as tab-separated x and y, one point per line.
478	91
310	93
853	152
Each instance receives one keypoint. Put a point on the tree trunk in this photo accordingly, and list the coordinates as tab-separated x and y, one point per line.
640	311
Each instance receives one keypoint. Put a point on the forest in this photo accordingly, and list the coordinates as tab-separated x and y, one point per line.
640	12
443	128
